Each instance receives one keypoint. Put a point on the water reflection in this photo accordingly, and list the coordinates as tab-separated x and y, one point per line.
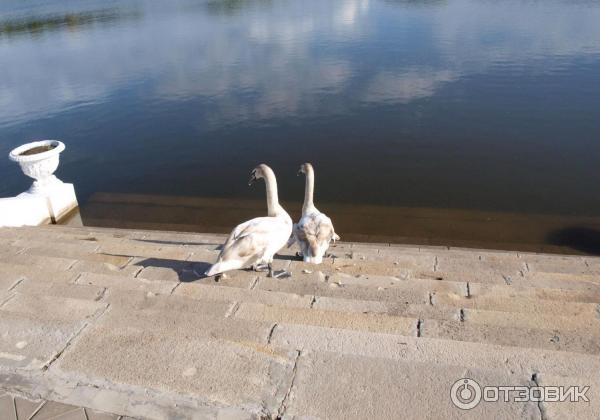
231	7
470	101
35	25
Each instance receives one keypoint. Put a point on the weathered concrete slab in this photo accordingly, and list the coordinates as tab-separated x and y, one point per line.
36	262
106	268
473	262
353	321
31	343
130	300
145	249
59	289
408	284
381	388
241	373
565	281
589	294
316	283
26	407
532	320
470	276
581	341
124	322
579	409
235	294
519	304
7	407
10	273
126	283
424	311
435	351
52	307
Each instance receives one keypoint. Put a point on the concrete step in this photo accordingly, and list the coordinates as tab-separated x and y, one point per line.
519	304
31	342
147	251
435	351
384	389
124	321
580	340
52	307
330	319
272	307
36	328
175	352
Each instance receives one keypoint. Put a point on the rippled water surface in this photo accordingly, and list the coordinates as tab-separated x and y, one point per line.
481	105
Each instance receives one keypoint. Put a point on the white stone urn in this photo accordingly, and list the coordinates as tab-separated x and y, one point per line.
39	160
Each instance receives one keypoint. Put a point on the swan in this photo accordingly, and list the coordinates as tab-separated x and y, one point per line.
253	243
315	230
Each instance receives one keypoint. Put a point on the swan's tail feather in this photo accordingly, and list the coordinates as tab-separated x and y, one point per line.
221	267
336	237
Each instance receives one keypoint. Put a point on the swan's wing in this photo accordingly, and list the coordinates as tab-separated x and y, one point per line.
249	239
325	231
315	229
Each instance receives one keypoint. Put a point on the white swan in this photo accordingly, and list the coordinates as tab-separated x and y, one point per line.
253	243
315	230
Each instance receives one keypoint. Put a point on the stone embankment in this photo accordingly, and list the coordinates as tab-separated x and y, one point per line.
101	323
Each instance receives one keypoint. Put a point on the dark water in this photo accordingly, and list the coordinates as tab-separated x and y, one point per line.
483	105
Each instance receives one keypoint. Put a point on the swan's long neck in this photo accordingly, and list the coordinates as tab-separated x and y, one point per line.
273	207
309	190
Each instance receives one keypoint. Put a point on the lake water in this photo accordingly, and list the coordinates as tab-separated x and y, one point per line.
482	106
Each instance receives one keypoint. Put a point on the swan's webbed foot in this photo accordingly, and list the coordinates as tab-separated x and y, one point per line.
262	268
270	266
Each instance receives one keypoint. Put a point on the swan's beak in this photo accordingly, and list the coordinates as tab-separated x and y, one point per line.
252	178
299	172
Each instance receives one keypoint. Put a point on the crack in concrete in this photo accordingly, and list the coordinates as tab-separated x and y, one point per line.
102	294
173	289
541	408
271	333
15	284
468	295
435	264
312	301
419	325
254	282
283	406
72	265
8	299
232	309
461	315
70	341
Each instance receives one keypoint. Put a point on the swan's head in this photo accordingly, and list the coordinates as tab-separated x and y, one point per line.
259	172
305	168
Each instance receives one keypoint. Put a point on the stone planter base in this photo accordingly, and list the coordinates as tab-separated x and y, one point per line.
32	209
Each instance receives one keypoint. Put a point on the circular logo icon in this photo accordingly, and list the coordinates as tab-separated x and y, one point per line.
465	394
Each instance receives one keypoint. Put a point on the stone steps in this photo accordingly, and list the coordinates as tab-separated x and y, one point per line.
129	311
478	325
